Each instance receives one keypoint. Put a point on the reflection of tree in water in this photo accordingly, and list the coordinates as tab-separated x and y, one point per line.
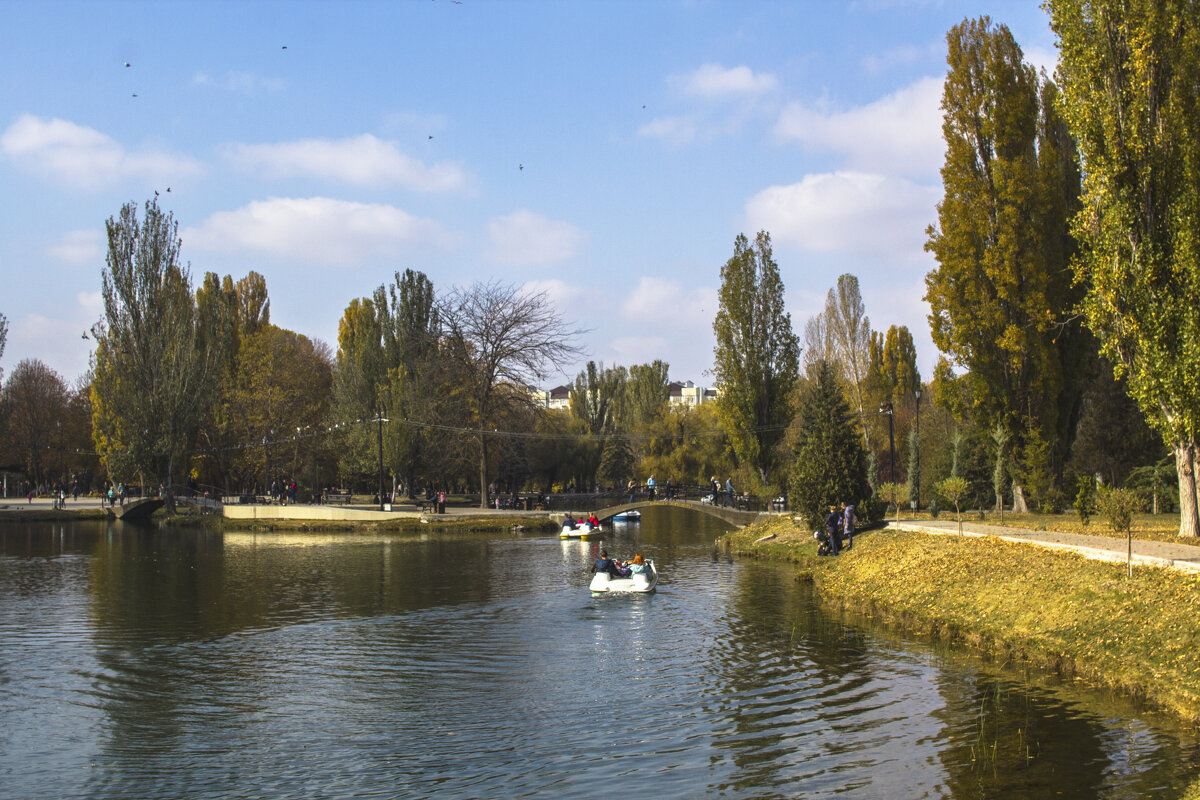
1005	739
778	671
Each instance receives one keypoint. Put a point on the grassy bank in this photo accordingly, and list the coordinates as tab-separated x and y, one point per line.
1061	611
1159	527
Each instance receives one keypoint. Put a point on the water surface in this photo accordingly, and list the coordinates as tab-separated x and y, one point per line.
146	663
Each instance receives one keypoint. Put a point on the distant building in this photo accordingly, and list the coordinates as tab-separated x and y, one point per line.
686	394
558	397
689	394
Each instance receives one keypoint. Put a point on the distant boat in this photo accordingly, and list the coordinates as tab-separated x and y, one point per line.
628	516
581	531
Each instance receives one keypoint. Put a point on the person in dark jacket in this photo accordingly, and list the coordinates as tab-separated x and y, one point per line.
831	527
606	564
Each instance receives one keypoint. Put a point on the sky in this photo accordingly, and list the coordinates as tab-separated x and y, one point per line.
605	152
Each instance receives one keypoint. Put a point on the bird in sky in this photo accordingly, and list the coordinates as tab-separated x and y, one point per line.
285	47
168	188
83	335
135	94
128	64
521	167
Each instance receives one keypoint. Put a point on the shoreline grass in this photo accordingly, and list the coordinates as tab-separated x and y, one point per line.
1060	611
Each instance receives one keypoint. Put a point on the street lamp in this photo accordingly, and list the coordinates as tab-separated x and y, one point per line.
381	420
886	408
917	394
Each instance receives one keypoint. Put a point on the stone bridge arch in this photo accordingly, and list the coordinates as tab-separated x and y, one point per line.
731	515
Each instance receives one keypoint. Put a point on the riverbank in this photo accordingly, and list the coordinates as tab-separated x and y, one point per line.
1058	610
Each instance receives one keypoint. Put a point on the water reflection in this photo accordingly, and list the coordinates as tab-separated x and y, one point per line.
280	665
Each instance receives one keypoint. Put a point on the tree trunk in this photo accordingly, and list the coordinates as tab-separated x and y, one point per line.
1185	465
483	481
1019	504
169	491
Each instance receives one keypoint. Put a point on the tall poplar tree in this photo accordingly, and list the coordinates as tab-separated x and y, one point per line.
1130	74
756	359
1001	295
159	354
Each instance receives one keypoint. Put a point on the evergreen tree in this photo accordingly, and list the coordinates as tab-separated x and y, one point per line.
830	465
756	359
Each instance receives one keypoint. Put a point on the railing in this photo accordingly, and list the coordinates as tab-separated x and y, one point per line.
593	501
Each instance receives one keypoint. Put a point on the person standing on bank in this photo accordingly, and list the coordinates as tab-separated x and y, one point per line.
832	522
729	491
848	521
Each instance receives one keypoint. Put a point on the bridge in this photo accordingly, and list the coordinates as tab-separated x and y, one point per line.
136	509
733	516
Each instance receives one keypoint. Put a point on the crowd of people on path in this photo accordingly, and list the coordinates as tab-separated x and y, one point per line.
839	530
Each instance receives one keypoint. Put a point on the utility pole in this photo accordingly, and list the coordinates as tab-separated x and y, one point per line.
886	408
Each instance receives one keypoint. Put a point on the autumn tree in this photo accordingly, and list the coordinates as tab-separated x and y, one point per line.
504	340
1001	295
595	397
849	332
1129	76
158	355
756	358
35	401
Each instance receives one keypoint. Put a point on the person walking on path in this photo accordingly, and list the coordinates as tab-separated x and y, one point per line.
848	521
729	491
650	486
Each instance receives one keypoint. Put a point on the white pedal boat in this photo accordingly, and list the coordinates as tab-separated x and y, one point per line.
628	516
579	532
603	582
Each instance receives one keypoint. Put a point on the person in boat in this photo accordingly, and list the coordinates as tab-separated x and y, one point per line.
638	566
606	564
593	521
569	521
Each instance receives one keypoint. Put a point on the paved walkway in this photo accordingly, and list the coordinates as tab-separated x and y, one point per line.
1104	548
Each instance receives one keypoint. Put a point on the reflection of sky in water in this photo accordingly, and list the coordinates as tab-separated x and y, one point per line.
343	664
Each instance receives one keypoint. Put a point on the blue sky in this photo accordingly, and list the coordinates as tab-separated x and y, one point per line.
605	152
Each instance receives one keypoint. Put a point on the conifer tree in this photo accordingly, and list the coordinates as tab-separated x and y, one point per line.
830	465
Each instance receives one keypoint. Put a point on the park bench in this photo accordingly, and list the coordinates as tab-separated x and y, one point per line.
340	498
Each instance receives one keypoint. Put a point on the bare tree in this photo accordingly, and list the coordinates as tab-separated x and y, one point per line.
504	340
850	331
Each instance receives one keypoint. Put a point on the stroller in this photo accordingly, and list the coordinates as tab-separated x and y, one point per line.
824	546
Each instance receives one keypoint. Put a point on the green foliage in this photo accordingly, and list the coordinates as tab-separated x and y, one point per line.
1118	506
956	490
159	354
1129	75
894	494
830	465
914	465
756	358
1085	498
1001	295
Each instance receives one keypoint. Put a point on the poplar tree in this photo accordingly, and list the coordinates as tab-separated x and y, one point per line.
1129	75
756	359
1001	295
159	354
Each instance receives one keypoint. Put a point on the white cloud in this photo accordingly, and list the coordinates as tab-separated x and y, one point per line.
677	130
79	247
667	302
560	294
241	82
361	160
84	157
847	212
524	238
57	341
316	229
715	81
897	134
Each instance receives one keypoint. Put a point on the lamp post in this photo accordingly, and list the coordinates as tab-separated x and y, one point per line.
886	408
917	394
380	418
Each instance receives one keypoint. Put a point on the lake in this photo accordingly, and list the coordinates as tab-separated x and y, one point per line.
154	663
